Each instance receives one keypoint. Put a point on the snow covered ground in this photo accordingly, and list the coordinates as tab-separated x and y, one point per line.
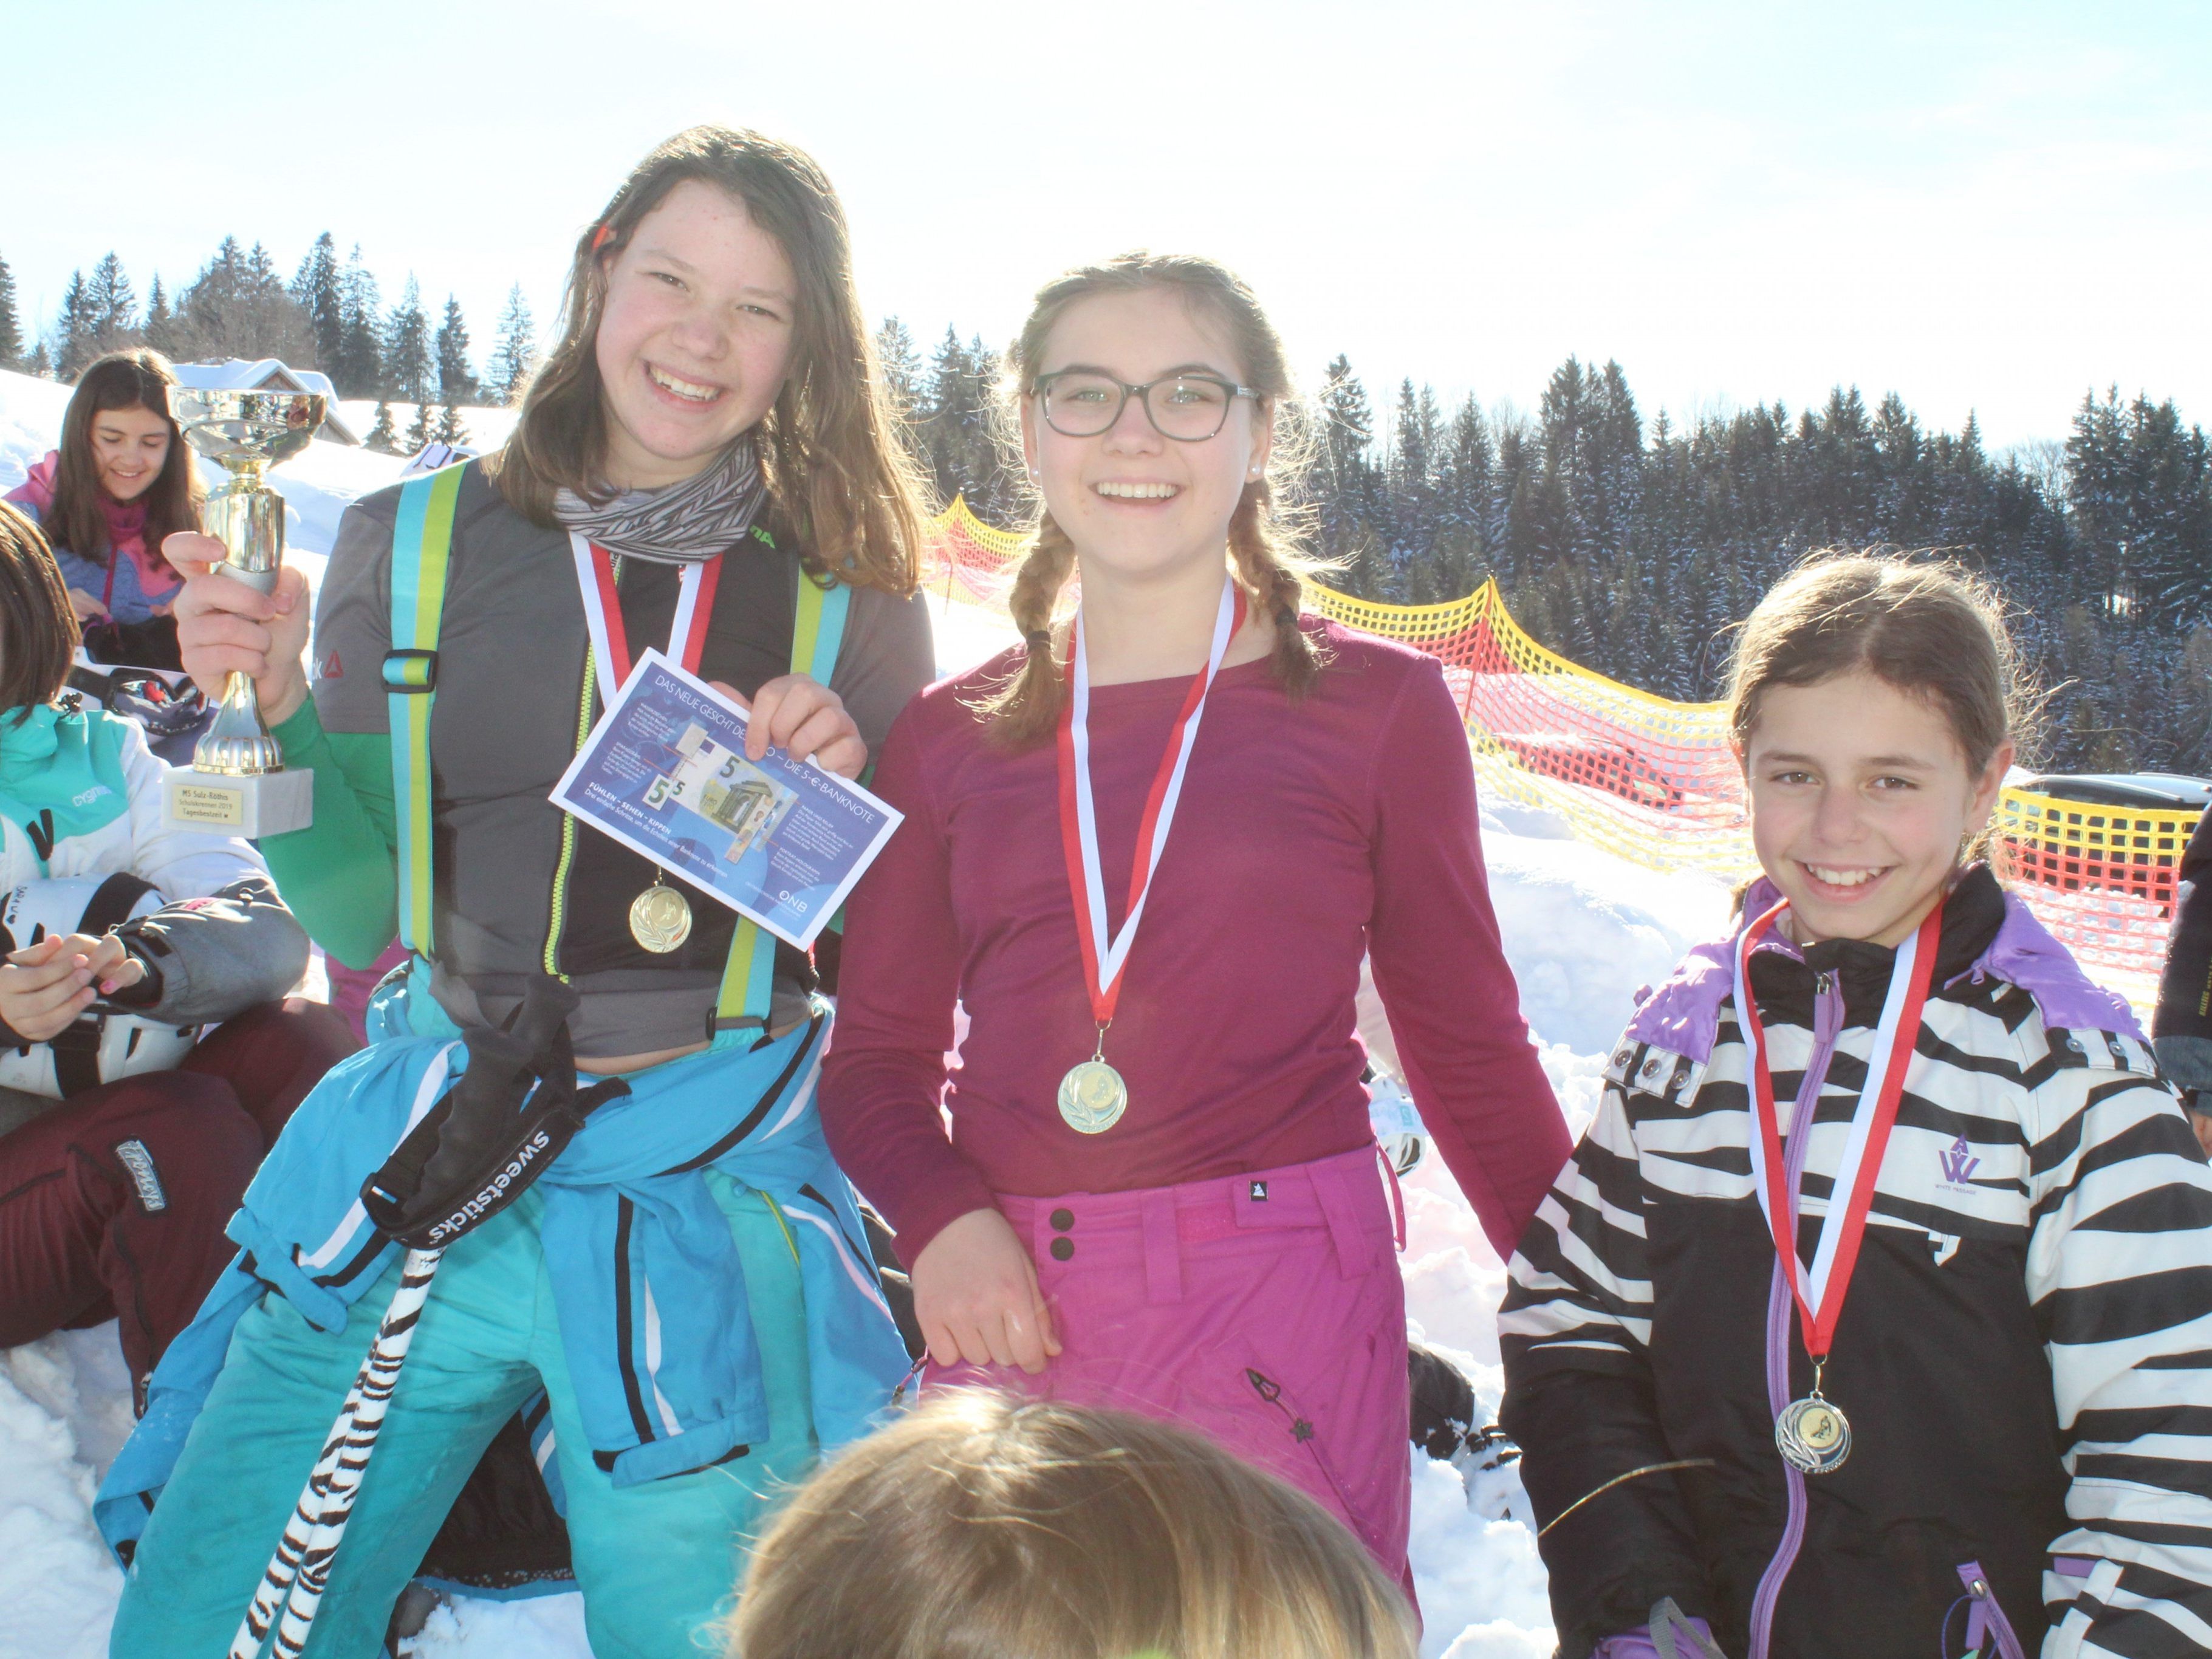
1584	930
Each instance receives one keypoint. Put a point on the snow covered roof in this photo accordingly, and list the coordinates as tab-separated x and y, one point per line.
269	374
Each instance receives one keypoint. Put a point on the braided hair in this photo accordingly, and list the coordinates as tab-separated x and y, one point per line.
1263	542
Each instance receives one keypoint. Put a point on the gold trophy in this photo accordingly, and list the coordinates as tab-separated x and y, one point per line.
238	781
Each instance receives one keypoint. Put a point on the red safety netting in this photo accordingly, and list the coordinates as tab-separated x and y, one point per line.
1657	782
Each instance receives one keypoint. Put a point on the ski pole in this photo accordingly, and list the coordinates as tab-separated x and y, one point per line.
300	1570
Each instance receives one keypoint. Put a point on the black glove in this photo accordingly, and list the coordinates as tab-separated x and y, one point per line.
497	1130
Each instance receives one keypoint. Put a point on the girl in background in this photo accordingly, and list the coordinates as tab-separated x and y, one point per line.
122	483
1871	1315
1161	1192
124	1144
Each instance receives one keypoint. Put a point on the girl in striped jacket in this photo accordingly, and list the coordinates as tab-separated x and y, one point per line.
1873	1313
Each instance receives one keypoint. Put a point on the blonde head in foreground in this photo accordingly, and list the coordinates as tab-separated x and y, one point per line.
977	1527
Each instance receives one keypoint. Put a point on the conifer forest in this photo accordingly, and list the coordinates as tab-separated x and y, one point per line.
1627	541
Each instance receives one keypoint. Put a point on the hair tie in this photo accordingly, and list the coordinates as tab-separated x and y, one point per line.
602	235
1039	637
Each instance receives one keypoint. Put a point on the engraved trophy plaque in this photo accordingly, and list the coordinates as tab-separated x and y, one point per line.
238	781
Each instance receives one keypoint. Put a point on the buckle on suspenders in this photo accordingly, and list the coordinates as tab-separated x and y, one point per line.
410	672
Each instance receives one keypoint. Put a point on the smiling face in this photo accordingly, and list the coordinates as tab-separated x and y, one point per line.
1133	501
128	448
1860	799
695	339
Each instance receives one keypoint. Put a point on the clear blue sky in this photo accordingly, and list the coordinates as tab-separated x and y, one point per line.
1986	206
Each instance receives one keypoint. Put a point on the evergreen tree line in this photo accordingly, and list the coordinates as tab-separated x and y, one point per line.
329	317
1633	547
1628	546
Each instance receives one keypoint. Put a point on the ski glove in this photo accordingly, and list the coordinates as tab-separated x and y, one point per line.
1670	1635
495	1132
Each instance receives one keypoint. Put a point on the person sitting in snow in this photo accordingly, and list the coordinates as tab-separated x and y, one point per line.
122	482
1874	1313
124	1145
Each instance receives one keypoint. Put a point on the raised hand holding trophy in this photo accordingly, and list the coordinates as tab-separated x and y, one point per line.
238	781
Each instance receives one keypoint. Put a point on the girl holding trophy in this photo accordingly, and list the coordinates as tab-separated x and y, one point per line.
1146	850
703	465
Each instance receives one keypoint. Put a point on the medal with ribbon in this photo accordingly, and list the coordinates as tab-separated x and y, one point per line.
660	916
1813	1433
1093	1095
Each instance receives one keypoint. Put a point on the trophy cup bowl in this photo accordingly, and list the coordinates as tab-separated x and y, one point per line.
237	780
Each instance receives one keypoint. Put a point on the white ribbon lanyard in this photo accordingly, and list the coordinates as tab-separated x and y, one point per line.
1879	1063
610	656
1115	950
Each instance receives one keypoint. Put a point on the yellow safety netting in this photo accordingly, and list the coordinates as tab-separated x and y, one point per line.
1657	782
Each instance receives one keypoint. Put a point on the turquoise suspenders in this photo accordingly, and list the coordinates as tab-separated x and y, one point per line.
422	543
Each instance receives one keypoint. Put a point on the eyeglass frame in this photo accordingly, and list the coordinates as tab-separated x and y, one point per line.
1040	388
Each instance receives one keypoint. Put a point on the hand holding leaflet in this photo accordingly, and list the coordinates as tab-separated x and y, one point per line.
665	773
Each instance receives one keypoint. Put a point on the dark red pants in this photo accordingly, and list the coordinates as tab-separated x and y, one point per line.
112	1204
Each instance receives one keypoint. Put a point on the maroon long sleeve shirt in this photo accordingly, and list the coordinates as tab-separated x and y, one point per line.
1310	830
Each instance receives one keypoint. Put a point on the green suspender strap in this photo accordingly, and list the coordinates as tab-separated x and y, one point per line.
422	542
748	979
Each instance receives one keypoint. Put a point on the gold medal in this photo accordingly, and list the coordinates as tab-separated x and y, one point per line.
1092	1098
660	918
1813	1434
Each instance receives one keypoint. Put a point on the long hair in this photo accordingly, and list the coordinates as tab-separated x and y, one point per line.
978	1526
1923	625
38	628
138	379
829	446
1262	539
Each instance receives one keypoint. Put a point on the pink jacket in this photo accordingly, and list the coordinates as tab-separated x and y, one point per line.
150	579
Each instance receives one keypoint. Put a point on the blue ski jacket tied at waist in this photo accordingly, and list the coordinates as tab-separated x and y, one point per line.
648	1287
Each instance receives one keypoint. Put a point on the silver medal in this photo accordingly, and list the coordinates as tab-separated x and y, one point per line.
1814	1435
1092	1098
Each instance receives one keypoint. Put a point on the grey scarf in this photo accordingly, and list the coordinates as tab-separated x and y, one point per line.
686	522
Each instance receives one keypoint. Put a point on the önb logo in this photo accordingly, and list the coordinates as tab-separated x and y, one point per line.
1958	1162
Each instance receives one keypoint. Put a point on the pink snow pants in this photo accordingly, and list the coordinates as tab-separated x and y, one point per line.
1265	1310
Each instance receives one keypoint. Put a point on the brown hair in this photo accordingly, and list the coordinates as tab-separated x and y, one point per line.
138	379
38	628
829	445
977	1527
1261	538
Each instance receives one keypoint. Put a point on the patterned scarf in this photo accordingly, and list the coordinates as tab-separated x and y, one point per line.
686	522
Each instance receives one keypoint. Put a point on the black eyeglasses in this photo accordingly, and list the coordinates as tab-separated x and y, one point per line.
1082	402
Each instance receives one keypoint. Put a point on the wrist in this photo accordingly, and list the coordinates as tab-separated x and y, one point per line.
279	703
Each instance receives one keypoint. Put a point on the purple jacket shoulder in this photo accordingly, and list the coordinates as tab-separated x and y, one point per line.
1683	1014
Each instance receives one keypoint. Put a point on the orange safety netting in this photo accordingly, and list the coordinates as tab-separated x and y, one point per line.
1656	781
2102	878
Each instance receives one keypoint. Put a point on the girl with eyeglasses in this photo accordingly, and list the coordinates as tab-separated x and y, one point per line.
1146	850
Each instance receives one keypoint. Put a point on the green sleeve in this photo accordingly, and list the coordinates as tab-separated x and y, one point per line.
340	875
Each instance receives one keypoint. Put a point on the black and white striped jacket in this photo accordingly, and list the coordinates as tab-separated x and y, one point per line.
2025	1355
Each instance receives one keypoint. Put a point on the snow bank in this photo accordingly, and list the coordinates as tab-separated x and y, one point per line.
64	1409
1583	929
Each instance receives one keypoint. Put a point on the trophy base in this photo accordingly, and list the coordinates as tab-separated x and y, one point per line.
270	804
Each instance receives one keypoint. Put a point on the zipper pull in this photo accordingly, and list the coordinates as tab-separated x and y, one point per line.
1825	983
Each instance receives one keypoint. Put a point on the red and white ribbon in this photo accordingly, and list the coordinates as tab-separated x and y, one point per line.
1819	1290
611	654
1104	956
